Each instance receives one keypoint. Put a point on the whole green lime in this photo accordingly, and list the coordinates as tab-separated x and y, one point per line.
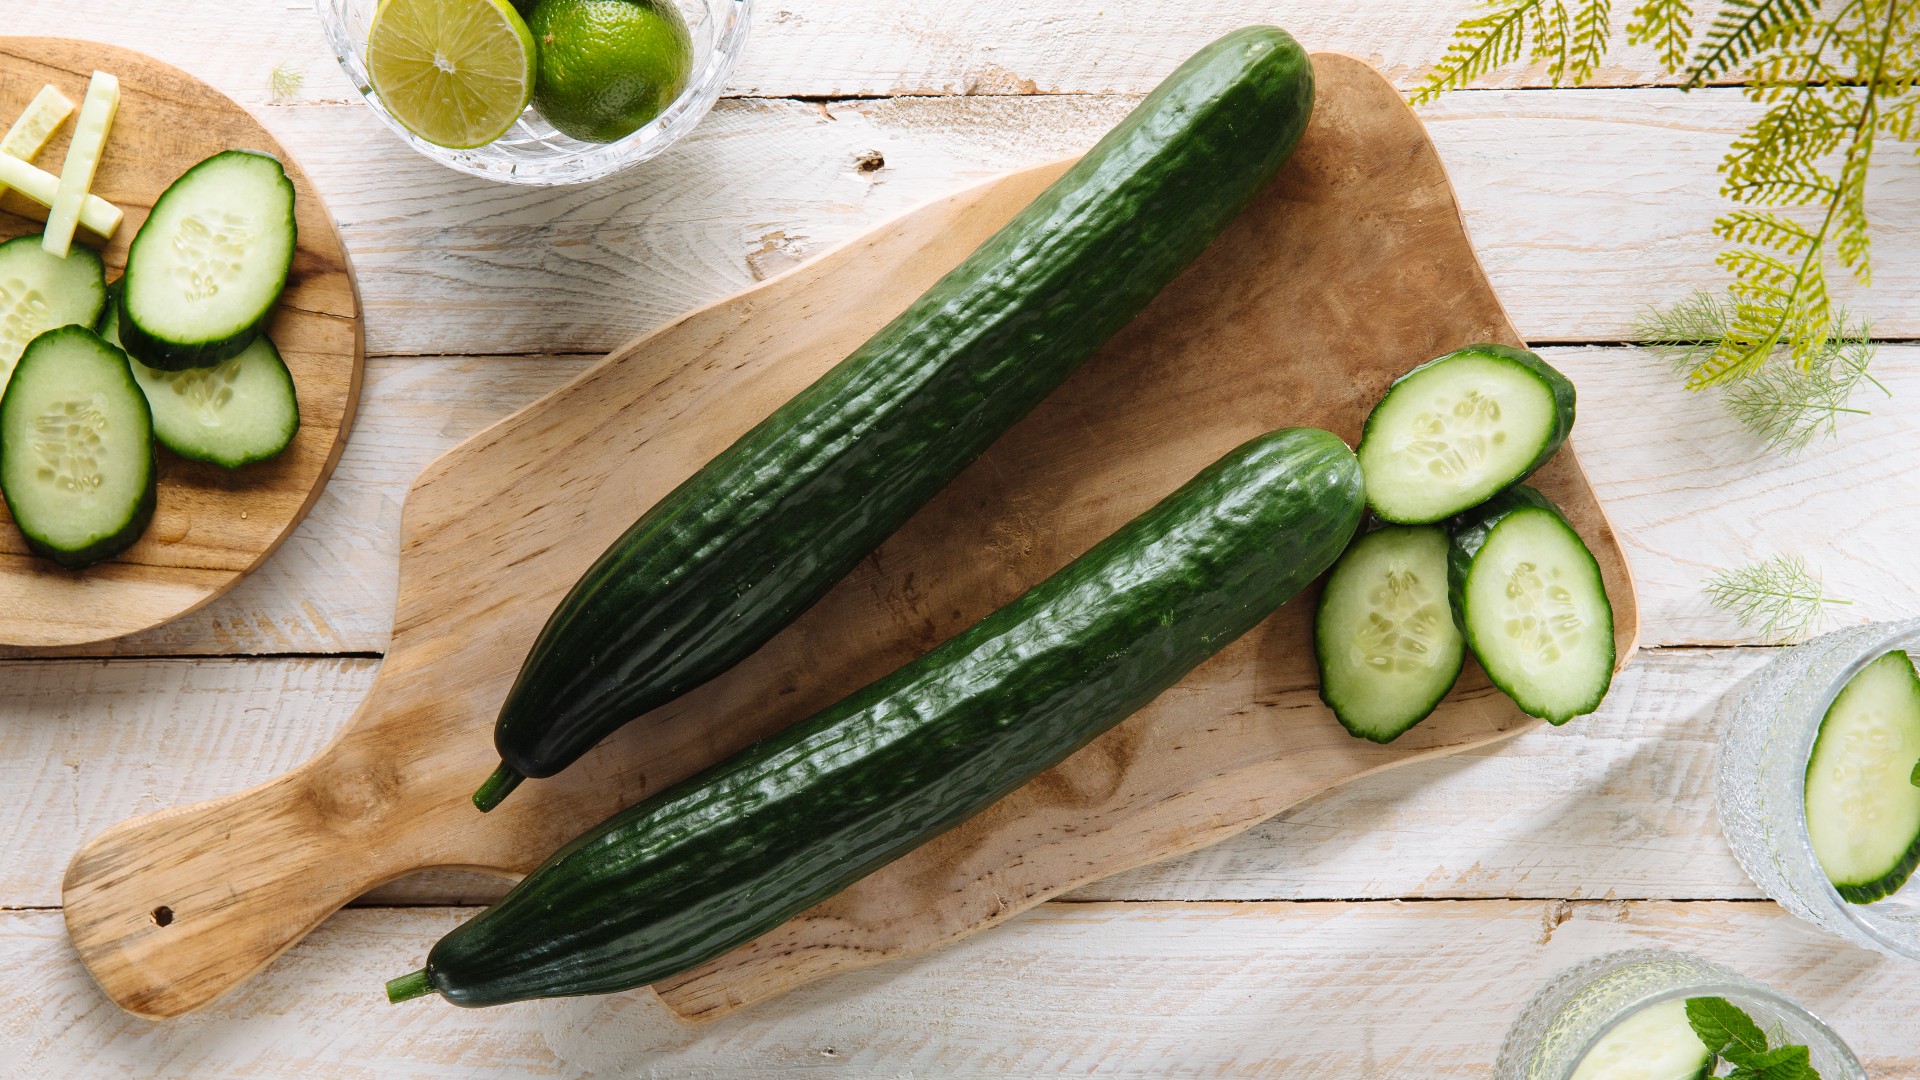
607	67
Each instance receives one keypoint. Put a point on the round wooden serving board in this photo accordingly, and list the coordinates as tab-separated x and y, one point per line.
1351	268
212	525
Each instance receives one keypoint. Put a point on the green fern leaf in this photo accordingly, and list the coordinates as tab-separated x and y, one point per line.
1480	44
1667	25
1739	30
1591	26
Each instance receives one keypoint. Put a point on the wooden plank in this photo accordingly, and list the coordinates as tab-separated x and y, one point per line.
1585	206
1384	991
844	48
1689	491
1619	804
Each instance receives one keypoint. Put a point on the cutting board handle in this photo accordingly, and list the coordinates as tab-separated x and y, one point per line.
171	910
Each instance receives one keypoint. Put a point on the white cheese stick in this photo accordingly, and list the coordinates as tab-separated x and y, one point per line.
97	215
29	134
83	157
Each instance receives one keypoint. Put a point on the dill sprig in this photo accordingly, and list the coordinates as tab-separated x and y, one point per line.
1780	599
1836	76
284	82
1787	406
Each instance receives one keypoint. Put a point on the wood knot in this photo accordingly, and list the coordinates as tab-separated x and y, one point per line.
355	796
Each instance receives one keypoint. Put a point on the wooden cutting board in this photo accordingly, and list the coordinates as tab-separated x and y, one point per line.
211	525
1351	268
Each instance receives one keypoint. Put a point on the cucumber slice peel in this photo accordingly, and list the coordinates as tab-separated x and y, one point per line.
77	464
1863	811
1384	635
1454	431
1529	596
39	291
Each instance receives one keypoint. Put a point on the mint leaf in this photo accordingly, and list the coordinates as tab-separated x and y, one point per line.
1916	774
1726	1030
1780	1063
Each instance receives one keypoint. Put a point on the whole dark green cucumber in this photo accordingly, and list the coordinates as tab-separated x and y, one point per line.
727	855
746	544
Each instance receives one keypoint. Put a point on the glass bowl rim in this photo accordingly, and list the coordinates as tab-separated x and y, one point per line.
704	89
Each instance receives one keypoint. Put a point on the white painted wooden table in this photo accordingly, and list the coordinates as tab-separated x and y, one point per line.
1388	929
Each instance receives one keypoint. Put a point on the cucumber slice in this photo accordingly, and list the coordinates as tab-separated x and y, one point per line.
1528	594
1453	432
1863	812
1384	634
205	270
1655	1043
39	291
239	411
76	449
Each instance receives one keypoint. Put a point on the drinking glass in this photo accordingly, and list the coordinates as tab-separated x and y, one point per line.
1571	1014
1761	786
532	151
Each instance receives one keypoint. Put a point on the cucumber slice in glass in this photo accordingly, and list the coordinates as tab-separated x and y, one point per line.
1384	633
1863	811
39	291
76	449
208	265
1454	431
1529	595
1655	1043
239	411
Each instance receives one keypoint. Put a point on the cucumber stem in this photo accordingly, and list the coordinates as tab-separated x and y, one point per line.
497	787
409	986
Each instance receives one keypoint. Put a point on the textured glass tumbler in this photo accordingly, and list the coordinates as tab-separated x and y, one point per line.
532	152
1573	1012
1761	786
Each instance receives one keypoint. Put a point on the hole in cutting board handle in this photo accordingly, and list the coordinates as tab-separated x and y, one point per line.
161	916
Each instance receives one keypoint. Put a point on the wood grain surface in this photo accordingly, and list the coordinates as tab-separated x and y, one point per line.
1268	990
211	525
495	531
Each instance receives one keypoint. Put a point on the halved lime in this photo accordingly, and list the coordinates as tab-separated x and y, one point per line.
457	73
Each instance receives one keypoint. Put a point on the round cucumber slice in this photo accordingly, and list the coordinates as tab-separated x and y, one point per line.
1384	633
235	413
1655	1043
76	449
1535	611
1863	812
1454	431
39	291
209	263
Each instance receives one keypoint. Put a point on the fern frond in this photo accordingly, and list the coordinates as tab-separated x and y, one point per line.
1592	24
1667	25
1766	228
1780	599
1480	44
1739	30
1783	405
1687	333
1788	407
